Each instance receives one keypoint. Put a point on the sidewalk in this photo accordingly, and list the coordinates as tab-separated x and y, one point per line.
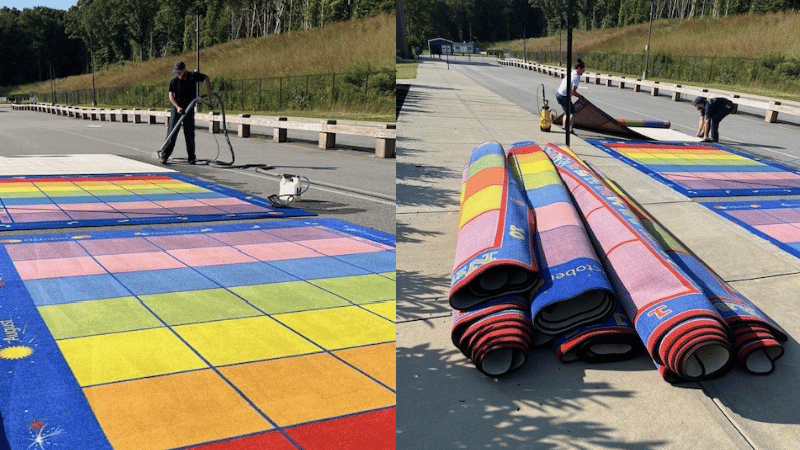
444	402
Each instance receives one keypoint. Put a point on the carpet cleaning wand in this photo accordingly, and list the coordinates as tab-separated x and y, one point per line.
189	109
545	119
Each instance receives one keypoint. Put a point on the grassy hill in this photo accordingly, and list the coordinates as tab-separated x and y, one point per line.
772	39
356	45
743	36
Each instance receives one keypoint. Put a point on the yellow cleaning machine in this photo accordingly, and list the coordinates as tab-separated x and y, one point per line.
545	119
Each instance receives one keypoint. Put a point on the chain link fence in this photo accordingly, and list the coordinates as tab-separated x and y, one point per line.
370	90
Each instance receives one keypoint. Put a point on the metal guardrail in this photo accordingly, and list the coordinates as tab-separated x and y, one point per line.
771	106
385	134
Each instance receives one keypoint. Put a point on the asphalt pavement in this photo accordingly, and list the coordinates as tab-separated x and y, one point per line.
347	183
445	403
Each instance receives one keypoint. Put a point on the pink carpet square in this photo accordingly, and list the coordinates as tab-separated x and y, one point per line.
45	250
118	246
55	216
246	237
198	211
340	246
647	278
137	262
277	251
788	215
184	241
303	233
133	206
754	216
476	235
96	215
561	245
222	201
244	208
556	215
32	209
96	207
185	203
210	256
57	267
609	229
783	232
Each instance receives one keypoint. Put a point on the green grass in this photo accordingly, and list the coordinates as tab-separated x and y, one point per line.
752	37
407	71
336	48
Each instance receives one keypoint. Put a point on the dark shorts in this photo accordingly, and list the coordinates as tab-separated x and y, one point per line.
565	103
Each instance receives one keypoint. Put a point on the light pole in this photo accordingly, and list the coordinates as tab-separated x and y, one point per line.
567	124
647	47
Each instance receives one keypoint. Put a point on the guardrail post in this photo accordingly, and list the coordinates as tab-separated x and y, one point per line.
112	115
244	128
152	116
622	83
279	133
676	95
327	139
735	108
608	80
93	113
385	147
213	122
137	117
654	92
772	115
636	86
102	115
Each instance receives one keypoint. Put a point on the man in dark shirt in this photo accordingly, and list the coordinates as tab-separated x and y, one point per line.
712	112
182	90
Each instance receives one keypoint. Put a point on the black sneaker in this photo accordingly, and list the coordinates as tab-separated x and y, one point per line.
192	161
163	161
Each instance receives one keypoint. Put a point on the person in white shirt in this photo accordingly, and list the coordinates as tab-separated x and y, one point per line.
566	100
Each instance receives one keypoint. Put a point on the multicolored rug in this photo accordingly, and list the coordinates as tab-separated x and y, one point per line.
757	339
614	339
276	334
682	331
575	290
494	254
63	201
777	221
704	169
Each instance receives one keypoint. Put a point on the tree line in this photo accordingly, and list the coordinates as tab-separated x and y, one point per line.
498	20
39	43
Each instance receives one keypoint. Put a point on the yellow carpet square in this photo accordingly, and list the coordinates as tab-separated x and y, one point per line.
125	356
338	328
243	340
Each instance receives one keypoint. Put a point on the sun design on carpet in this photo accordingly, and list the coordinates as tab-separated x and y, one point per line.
15	352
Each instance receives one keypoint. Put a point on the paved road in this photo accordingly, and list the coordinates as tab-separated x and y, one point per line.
348	183
745	131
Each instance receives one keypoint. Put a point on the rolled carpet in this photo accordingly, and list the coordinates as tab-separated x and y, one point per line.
589	117
681	330
495	335
494	254
644	123
574	290
757	339
613	339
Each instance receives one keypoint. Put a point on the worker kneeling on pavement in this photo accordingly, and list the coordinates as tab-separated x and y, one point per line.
712	111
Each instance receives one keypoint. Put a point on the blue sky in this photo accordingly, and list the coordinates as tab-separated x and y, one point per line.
55	4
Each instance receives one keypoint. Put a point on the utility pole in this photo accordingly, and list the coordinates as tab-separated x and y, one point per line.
647	48
567	114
